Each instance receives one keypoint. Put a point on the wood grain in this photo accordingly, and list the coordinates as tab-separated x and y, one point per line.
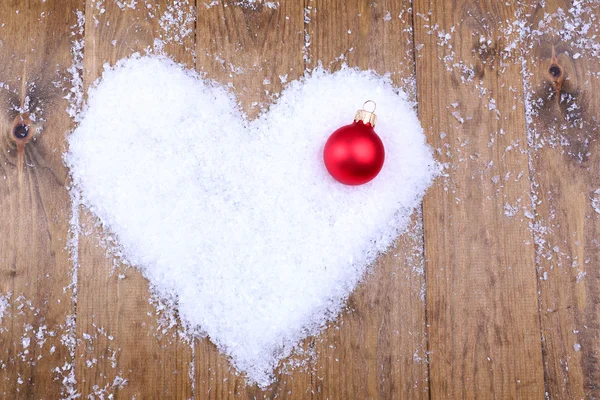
254	49
377	349
120	336
564	133
35	270
481	279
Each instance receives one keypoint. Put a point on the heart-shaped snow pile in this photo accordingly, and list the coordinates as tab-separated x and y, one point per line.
240	220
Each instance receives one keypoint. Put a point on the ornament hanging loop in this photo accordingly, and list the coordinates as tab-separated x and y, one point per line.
366	116
372	103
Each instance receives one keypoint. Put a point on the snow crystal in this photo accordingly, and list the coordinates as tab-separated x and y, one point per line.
596	201
126	4
251	4
456	114
510	210
3	306
75	94
237	220
177	22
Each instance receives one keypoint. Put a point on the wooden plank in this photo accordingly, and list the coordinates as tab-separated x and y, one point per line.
482	301
377	349
34	203
565	109
119	332
254	48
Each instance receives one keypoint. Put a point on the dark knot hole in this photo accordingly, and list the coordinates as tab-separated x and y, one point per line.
555	71
21	131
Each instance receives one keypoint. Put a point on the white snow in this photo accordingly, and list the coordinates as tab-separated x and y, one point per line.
177	22
237	220
75	94
596	201
251	4
3	306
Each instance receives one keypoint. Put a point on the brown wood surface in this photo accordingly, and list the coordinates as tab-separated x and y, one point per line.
567	226
494	291
378	348
119	333
481	278
34	207
249	47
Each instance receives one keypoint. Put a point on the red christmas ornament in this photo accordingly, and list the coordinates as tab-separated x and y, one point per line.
354	154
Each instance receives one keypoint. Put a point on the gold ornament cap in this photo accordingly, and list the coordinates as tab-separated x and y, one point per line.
365	115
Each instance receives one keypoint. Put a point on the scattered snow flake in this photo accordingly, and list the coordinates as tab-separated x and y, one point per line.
596	201
456	114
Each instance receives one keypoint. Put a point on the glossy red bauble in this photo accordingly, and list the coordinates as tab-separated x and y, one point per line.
354	154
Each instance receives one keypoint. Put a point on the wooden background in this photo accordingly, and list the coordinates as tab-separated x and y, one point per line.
493	293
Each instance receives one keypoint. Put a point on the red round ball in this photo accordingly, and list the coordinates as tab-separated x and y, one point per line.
354	154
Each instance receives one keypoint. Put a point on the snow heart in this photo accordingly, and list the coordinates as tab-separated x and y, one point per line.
237	220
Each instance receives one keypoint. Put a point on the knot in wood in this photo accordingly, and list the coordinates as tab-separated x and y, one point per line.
21	131
555	71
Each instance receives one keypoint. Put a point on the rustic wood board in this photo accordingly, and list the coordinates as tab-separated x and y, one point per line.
482	301
486	296
119	333
377	349
34	202
253	49
564	131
